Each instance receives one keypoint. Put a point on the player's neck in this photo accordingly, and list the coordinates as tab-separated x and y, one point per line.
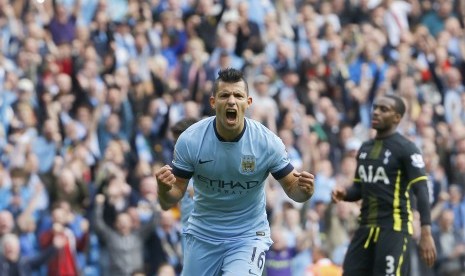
381	134
227	135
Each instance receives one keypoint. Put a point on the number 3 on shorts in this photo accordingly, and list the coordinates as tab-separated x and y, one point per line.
260	258
390	265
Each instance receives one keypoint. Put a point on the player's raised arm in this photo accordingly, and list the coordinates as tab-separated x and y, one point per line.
170	188
299	186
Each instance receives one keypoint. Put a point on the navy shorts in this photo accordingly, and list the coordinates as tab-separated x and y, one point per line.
378	251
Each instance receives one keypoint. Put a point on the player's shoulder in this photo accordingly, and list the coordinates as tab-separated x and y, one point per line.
199	126
260	133
258	128
401	145
403	142
395	141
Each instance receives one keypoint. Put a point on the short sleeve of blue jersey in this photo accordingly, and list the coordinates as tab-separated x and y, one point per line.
182	159
280	164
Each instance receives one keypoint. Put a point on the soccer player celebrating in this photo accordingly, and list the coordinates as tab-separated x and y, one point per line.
229	157
388	168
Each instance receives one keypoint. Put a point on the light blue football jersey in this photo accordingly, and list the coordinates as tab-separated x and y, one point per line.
229	178
187	204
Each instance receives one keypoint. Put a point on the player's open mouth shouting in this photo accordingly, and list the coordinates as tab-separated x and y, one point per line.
231	116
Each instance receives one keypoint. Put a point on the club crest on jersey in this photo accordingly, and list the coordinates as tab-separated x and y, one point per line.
387	154
417	160
248	164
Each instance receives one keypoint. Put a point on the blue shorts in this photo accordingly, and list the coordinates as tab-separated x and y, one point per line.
227	258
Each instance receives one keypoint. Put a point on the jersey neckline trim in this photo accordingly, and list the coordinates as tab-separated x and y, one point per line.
235	139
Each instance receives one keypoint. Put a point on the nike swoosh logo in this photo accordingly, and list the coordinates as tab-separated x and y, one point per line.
204	161
251	273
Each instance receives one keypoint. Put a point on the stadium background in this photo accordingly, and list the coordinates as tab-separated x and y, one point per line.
89	89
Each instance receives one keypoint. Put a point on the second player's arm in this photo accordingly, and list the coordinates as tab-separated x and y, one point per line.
427	246
351	194
298	186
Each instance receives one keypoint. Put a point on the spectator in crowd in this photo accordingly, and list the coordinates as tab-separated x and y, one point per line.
205	20
29	244
455	202
7	223
142	197
20	194
248	32
265	109
192	70
279	257
47	145
66	186
435	19
340	222
322	265
124	242
12	262
450	244
62	25
325	182
164	244
66	262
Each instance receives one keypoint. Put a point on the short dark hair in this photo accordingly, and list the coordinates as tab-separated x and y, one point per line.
180	126
399	105
229	75
19	172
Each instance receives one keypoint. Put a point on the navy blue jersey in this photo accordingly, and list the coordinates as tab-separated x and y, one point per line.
386	169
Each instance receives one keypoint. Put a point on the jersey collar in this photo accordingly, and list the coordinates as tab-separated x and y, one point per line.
235	139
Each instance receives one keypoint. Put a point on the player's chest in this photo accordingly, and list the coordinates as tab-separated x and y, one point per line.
380	166
230	158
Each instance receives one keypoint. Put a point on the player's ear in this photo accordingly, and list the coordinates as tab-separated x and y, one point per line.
249	100
212	102
398	118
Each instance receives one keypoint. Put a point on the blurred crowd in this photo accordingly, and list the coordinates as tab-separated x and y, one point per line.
89	90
